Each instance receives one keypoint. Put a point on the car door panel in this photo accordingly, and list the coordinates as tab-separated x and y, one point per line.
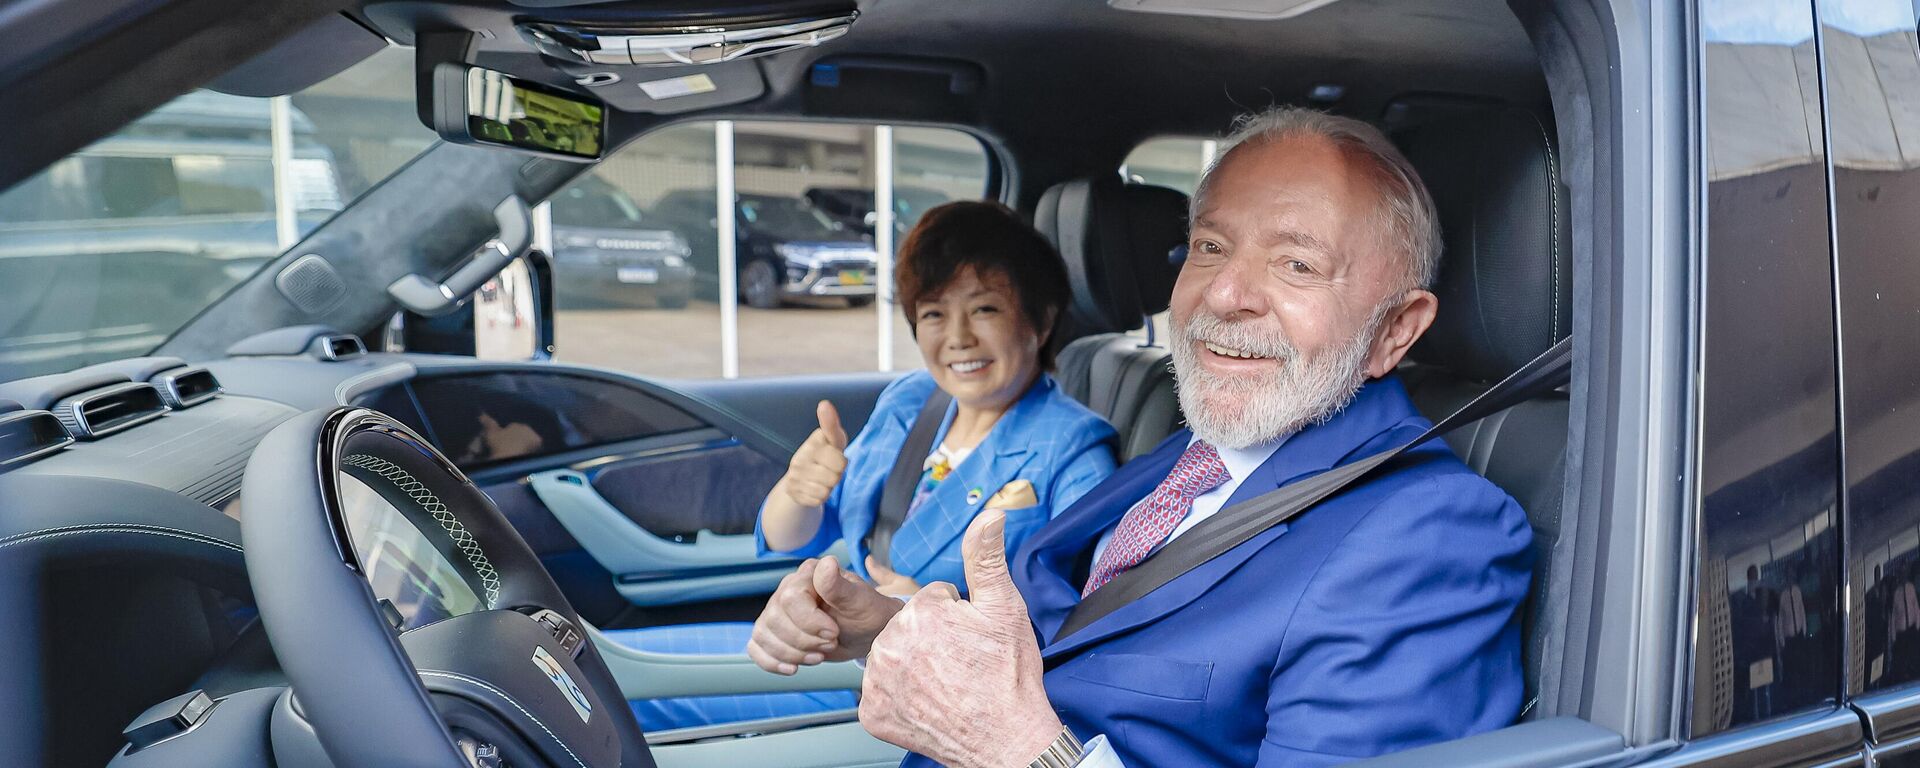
639	495
649	570
785	405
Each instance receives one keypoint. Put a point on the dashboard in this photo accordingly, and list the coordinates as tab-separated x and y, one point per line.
151	514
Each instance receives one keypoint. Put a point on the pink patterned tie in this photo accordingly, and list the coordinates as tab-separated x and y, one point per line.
1154	518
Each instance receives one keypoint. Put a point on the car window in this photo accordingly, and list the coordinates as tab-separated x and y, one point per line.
183	204
1169	161
639	291
1174	162
594	204
1873	69
1768	617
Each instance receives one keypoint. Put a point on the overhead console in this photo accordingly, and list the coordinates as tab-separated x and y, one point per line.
669	43
652	58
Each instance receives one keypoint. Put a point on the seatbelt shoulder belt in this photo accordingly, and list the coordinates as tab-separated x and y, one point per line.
896	494
1234	525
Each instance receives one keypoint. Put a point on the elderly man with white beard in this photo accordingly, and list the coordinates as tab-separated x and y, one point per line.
1384	618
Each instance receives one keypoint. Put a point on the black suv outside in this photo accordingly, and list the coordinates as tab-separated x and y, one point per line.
787	250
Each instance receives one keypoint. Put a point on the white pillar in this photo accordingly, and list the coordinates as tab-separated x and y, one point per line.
1208	150
723	223
286	224
543	228
883	240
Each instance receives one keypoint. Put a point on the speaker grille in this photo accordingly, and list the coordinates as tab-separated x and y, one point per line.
311	284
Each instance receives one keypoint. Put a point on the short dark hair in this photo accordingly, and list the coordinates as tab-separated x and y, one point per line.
989	238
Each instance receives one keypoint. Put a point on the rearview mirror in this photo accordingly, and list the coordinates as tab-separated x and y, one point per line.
480	106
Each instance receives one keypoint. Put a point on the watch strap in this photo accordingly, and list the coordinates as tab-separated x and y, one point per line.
1066	751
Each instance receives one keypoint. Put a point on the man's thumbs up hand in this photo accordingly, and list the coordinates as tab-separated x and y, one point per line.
960	680
990	588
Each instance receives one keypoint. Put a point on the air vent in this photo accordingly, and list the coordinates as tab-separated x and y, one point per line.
185	387
29	435
101	412
339	346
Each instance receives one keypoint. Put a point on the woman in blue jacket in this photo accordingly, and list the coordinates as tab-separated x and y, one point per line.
983	293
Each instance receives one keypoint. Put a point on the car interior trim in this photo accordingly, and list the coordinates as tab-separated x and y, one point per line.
151	530
502	696
627	550
351	390
843	745
29	423
649	675
186	387
604	459
752	727
593	458
136	403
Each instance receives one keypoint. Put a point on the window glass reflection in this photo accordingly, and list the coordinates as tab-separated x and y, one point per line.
1767	627
1873	80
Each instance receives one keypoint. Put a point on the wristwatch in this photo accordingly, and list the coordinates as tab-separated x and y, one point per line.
1065	752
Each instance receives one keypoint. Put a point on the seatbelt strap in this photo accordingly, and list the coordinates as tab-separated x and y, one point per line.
1234	525
896	495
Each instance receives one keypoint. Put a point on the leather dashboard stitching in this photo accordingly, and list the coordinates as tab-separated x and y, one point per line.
150	530
423	496
516	705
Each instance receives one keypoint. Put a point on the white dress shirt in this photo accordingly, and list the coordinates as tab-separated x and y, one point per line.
1240	463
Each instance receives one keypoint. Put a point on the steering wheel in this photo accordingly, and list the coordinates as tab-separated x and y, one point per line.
414	624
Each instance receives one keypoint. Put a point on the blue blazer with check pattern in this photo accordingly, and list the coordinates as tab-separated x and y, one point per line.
1047	438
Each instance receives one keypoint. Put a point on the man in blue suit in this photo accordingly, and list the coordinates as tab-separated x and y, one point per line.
1382	619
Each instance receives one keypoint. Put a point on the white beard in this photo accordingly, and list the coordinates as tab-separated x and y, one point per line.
1242	412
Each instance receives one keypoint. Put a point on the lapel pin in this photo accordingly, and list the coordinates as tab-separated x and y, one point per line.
973	497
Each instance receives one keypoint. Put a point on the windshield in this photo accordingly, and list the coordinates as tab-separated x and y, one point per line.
790	218
108	251
594	203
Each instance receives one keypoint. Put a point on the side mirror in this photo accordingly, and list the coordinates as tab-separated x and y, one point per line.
509	318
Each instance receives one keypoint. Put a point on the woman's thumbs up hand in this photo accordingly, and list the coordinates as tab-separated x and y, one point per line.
821	460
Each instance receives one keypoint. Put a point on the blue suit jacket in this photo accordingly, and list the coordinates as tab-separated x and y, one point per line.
1047	438
1383	619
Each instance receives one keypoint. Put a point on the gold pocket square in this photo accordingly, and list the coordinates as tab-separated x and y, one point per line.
1015	495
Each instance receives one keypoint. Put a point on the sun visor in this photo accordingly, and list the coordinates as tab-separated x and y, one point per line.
321	50
895	88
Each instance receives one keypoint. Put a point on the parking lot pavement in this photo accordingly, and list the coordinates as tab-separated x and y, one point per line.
685	343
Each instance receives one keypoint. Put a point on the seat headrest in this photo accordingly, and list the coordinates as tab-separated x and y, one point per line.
1117	239
1506	271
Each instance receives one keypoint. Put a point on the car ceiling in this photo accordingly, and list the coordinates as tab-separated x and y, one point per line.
1046	64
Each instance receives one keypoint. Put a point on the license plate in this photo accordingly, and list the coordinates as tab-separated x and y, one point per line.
637	275
853	277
